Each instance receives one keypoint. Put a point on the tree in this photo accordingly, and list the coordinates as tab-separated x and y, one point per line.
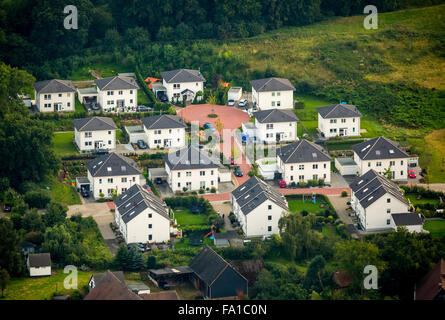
151	262
4	280
55	214
313	278
129	259
11	256
59	242
37	198
211	99
387	173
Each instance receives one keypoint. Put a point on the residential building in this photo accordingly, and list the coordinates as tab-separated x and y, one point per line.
117	94
272	93
412	221
95	133
141	216
164	131
112	173
111	288
215	277
375	199
96	278
191	169
183	83
258	207
339	120
432	285
380	154
302	161
55	95
39	264
275	125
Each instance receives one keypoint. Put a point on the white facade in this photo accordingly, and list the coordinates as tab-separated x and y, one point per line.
148	226
113	99
234	93
261	221
344	127
165	138
304	171
106	185
399	167
269	132
40	271
60	102
273	99
377	216
92	140
193	180
174	89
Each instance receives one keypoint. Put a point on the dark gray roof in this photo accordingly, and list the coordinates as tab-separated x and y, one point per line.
182	75
379	148
112	165
39	260
372	186
94	124
189	158
136	200
272	84
407	219
54	86
98	277
208	265
164	121
275	115
339	111
302	151
254	192
116	83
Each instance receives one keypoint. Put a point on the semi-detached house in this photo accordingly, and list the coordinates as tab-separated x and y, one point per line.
117	94
55	95
380	154
141	216
95	133
112	173
339	120
164	131
191	169
258	207
272	93
183	83
275	125
302	161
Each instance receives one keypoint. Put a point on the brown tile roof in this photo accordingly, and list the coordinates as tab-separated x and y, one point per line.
111	288
432	283
164	295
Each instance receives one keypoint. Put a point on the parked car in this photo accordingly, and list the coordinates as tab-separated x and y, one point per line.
141	144
411	174
238	172
84	193
143	108
158	181
243	103
7	208
146	187
163	98
282	184
95	106
100	151
231	102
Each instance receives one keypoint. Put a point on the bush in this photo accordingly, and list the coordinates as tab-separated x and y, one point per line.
37	198
201	191
344	193
302	184
213	190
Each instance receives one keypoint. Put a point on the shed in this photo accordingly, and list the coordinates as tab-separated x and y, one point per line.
39	264
224	174
267	167
235	93
176	274
346	166
136	133
82	182
139	288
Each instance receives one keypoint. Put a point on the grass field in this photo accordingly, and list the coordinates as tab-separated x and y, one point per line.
436	227
413	199
298	205
61	193
287	262
185	218
43	288
186	243
63	144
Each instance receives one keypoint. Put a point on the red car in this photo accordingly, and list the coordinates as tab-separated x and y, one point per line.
282	184
411	174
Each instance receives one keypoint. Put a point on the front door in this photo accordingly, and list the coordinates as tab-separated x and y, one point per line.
57	106
167	143
98	144
343	132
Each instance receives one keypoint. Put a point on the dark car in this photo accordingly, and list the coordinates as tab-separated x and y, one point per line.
85	193
238	172
141	144
164	285
7	208
100	151
158	181
163	98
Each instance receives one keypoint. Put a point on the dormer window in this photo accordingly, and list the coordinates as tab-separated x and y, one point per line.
109	169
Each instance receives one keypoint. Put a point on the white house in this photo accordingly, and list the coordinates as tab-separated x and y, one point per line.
39	264
339	120
258	207
141	216
95	133
302	161
235	93
412	221
166	131
272	93
117	94
55	95
182	83
112	173
276	125
192	169
375	199
380	154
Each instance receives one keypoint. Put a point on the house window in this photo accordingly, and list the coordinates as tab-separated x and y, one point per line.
109	141
109	132
273	94
269	126
269	218
269	207
388	200
401	162
378	164
134	179
353	119
121	92
343	120
401	173
353	129
388	221
315	166
149	226
301	167
324	166
188	174
150	215
211	172
170	131
278	94
124	180
124	189
68	104
324	176
278	103
110	180
179	184
291	168
176	86
88	134
131	91
202	184
315	177
150	237
179	174
392	163
131	100
202	173
388	210
100	180
291	178
211	183
188	185
301	178
110	93
273	103
269	228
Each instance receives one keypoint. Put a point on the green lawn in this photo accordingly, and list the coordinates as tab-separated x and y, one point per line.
414	201
142	98
63	144
185	218
78	106
298	205
329	231
436	227
286	262
60	192
43	288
